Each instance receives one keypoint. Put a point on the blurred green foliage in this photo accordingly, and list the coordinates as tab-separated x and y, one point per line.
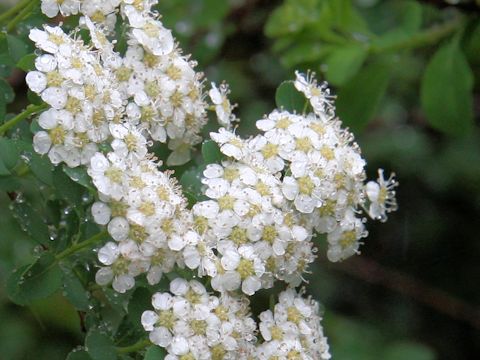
406	75
363	57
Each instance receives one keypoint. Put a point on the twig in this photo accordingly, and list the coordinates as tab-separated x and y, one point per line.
375	273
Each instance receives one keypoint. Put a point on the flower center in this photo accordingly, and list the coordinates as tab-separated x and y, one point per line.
57	135
245	268
305	185
269	150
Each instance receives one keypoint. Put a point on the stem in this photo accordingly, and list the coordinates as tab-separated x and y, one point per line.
81	246
13	10
140	345
21	15
426	37
30	110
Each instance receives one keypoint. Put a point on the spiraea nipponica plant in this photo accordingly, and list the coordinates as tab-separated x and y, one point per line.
264	202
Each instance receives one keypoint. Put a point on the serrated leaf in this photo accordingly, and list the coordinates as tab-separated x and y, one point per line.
344	62
358	100
27	62
446	91
211	152
155	353
36	281
100	346
78	355
289	98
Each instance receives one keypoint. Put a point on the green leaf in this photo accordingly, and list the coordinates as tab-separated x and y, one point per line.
289	98
27	62
78	355
305	52
446	91
6	63
74	290
34	98
42	168
154	353
99	346
211	152
8	152
36	281
411	16
30	220
216	11
3	169
344	62
6	91
191	185
358	100
79	175
16	48
407	350
291	17
141	300
65	188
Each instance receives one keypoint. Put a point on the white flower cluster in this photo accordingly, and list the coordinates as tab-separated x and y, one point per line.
256	236
70	78
191	324
146	215
292	330
102	12
301	176
153	88
317	168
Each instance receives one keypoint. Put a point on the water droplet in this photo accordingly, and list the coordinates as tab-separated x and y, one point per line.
26	156
87	198
37	250
19	199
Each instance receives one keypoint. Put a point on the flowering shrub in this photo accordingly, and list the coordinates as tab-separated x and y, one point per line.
200	257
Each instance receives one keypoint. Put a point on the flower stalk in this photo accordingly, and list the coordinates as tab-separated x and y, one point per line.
29	111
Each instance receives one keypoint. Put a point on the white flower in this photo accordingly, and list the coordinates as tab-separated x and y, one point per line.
382	196
150	33
230	144
101	213
65	7
108	174
319	96
223	108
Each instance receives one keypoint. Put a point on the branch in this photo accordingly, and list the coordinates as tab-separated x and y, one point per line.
29	111
374	273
